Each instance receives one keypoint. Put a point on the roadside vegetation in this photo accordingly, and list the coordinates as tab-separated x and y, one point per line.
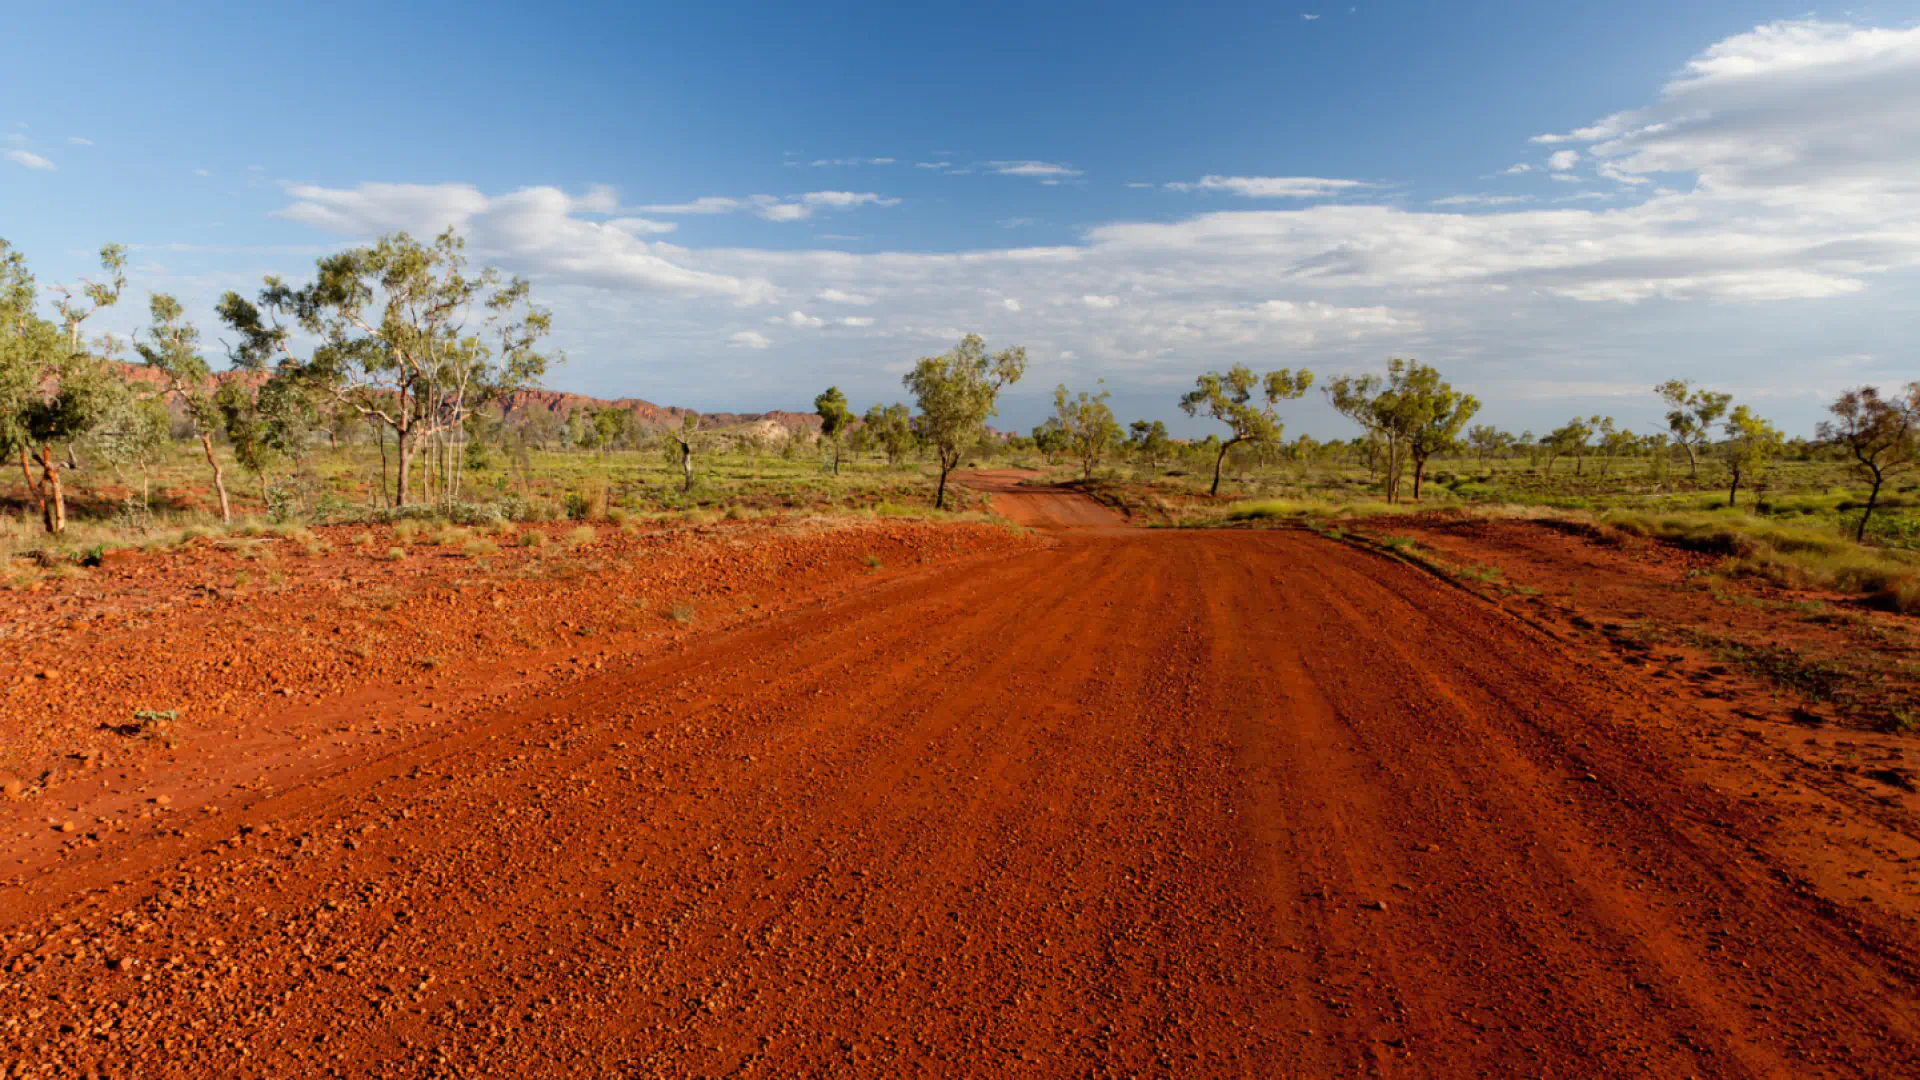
399	385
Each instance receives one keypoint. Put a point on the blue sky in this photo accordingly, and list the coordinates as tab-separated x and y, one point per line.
729	206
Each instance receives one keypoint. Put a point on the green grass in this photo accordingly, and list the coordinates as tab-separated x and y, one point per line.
1801	556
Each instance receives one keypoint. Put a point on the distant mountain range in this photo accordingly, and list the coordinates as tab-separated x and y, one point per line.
518	406
524	403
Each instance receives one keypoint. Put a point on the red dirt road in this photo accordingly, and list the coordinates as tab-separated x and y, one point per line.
1142	803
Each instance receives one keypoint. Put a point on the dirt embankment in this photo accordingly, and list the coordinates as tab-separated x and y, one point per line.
1224	803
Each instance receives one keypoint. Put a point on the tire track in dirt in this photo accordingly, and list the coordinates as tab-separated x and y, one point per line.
1129	805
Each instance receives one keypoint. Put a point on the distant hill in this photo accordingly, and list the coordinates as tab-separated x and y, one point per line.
519	406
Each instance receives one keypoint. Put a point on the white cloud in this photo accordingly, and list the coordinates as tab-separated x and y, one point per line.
799	320
1785	110
1015	222
533	229
821	163
706	204
1010	304
749	339
76	140
202	172
1101	302
634	226
1483	200
1562	160
857	320
933	164
29	159
1516	170
1036	169
841	296
841	200
1270	187
774	208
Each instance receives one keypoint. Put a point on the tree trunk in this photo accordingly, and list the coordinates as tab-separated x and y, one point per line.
53	506
1217	462
686	467
940	493
1733	493
380	436
1693	463
406	468
1419	474
1873	497
219	479
33	489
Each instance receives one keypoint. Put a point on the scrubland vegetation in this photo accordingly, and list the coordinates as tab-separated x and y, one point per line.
394	387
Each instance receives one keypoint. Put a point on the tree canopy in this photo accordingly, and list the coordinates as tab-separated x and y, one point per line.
1230	399
835	419
958	392
1088	425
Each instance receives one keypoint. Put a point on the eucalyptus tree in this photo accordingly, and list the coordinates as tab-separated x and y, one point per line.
680	443
1088	421
134	432
1571	439
835	420
1691	414
406	337
1427	411
1050	438
172	349
1615	441
1229	399
958	392
1880	434
1150	440
53	389
891	429
1411	412
1488	440
1751	445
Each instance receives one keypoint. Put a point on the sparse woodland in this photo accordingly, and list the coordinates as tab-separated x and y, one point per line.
390	386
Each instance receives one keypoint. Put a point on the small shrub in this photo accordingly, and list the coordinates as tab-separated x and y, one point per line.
479	546
680	612
582	536
394	554
533	538
1901	595
475	515
153	725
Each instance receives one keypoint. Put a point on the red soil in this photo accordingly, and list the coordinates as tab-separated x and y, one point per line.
1224	803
